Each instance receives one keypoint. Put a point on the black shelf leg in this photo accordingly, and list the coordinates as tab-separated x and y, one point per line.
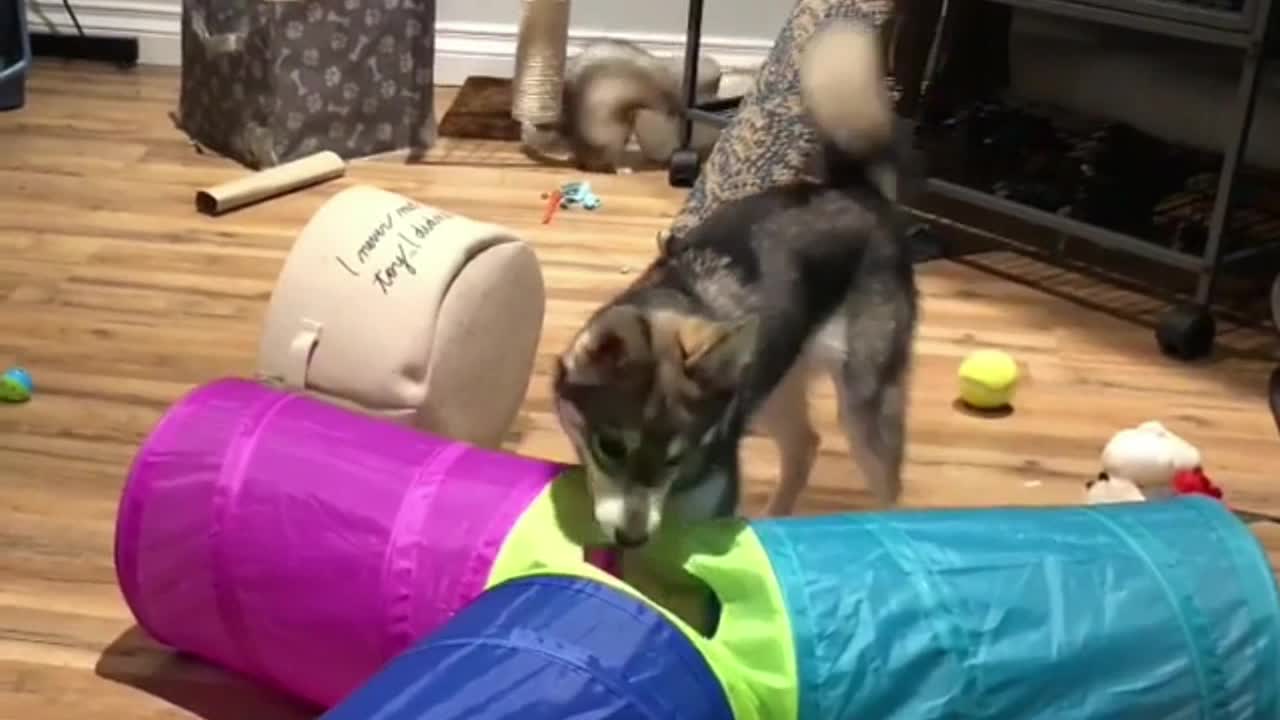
692	48
1233	154
683	166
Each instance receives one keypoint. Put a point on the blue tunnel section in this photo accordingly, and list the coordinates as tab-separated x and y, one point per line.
1159	610
545	648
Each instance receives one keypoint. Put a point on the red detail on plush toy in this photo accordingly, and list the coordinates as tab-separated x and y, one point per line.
1190	482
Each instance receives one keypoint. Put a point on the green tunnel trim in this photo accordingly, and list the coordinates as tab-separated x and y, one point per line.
751	650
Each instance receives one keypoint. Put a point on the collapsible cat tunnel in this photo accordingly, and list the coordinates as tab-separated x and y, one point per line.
1148	610
391	574
304	545
1115	611
546	647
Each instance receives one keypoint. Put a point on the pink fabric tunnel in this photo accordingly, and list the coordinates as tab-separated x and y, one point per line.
304	545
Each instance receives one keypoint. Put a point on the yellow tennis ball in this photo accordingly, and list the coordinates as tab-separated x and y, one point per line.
988	379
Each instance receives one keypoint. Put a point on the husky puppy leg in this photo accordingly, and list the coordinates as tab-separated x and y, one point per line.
785	418
874	421
871	382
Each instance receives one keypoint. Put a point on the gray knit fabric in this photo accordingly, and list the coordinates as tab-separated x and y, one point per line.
769	143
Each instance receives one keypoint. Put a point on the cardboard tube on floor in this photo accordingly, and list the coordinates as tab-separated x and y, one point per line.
271	182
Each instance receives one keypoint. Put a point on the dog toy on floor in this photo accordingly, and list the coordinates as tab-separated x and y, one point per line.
553	203
16	386
1192	482
1116	490
1148	461
573	194
988	379
578	194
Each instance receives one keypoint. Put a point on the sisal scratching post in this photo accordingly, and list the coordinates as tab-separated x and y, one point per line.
541	50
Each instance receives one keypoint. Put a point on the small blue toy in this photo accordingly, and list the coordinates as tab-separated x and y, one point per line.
580	194
16	386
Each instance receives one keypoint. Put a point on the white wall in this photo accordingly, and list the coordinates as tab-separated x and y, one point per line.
477	37
757	20
154	22
473	36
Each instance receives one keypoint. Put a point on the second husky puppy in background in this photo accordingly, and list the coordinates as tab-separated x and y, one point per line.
726	326
606	87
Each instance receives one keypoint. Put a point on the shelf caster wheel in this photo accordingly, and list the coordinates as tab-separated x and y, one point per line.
1186	333
683	169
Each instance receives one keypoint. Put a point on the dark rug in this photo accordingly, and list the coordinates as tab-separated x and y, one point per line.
481	111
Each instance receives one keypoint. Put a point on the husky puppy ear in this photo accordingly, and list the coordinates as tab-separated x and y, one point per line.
717	353
611	342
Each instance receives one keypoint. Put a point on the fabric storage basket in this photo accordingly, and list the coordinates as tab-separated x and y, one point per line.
407	312
269	81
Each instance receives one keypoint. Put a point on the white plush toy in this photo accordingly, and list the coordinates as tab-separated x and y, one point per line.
1147	462
1108	490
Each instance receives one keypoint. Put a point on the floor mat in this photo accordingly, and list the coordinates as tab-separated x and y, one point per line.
481	111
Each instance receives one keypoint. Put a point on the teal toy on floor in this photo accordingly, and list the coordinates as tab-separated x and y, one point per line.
16	386
578	194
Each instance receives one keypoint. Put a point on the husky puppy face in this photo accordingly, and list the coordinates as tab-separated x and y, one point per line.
642	394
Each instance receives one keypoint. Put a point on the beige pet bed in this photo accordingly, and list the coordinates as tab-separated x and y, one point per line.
407	312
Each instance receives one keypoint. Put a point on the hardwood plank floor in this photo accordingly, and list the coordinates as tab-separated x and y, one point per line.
118	297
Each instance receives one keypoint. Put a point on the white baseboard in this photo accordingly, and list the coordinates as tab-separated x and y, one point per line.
462	48
154	22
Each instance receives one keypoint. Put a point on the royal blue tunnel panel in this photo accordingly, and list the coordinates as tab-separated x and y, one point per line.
1149	611
545	648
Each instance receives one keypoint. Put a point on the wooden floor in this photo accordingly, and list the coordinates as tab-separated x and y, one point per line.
118	297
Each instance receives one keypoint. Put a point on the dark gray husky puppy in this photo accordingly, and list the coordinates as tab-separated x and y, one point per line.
725	327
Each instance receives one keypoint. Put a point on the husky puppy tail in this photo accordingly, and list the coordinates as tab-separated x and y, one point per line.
842	85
